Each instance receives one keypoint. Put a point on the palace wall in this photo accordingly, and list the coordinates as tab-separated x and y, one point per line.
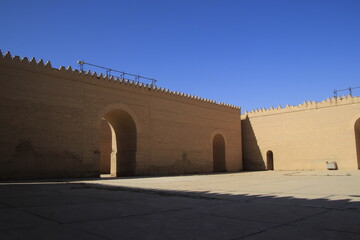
302	137
51	122
55	125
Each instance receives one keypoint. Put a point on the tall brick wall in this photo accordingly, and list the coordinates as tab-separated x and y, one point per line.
302	137
51	123
52	126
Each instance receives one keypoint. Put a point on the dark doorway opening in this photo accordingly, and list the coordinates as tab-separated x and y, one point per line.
219	163
269	160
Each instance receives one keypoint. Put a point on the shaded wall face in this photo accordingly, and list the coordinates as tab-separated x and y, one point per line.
302	140
252	157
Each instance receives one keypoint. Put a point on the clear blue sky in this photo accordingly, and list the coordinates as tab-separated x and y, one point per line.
249	53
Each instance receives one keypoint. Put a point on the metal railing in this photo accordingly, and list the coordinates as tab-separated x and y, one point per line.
342	90
121	74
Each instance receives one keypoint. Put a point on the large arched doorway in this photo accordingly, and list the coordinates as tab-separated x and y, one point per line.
219	163
269	160
357	141
118	139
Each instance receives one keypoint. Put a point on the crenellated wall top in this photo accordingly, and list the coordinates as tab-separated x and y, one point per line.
306	105
40	63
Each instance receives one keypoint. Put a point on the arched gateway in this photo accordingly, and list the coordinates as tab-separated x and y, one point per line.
118	140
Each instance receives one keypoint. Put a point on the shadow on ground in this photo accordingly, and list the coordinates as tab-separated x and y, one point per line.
73	210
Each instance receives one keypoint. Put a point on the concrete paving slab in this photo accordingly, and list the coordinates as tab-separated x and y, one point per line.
327	187
11	219
9	187
334	220
301	233
174	202
106	194
353	205
173	225
94	211
48	232
306	201
317	185
249	205
262	212
34	199
3	206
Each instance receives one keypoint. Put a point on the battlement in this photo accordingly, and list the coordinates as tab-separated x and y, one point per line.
40	64
306	105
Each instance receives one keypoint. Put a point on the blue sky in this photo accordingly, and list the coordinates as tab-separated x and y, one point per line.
249	53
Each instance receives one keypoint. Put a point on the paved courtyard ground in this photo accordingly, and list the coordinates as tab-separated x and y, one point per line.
247	205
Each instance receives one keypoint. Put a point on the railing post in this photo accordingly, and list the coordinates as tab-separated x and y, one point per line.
81	65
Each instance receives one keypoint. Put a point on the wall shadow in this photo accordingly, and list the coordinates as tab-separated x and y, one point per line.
47	210
252	157
33	190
